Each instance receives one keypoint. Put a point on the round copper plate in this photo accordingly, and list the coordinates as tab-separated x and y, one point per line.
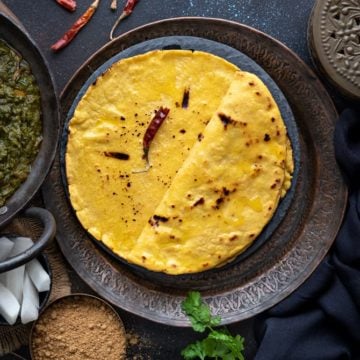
299	243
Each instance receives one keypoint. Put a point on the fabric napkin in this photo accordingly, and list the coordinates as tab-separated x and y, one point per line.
321	319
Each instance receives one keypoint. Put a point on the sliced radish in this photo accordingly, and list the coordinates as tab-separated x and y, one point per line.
14	281
21	244
38	275
30	303
9	306
6	246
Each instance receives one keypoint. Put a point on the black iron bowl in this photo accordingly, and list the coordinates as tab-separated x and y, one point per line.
18	39
43	296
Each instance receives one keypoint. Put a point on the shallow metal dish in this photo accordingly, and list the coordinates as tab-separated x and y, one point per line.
74	296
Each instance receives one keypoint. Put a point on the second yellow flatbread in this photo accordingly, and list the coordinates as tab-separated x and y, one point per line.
227	189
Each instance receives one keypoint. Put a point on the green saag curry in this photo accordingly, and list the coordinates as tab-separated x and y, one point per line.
20	120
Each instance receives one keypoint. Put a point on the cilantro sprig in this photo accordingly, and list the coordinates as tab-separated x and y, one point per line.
199	312
219	344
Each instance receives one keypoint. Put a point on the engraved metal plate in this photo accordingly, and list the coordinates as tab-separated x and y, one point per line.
297	246
334	41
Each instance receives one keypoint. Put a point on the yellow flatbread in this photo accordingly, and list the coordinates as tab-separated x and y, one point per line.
115	204
111	202
227	189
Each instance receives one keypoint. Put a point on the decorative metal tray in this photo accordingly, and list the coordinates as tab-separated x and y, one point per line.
295	248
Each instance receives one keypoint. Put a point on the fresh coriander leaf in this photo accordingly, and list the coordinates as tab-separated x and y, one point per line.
199	312
219	344
226	345
194	351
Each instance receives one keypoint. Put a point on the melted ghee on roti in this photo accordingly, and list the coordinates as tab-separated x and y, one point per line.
126	210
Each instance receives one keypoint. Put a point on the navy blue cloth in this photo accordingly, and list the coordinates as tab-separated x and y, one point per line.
321	319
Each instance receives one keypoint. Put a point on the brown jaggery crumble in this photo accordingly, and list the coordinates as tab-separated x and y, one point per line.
78	328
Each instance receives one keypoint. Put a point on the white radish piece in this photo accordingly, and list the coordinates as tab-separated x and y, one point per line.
6	246
30	303
9	306
38	275
21	244
14	279
3	278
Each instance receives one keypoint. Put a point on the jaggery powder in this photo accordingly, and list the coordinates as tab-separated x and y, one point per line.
78	328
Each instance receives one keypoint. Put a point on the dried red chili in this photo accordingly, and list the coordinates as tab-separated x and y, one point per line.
67	4
151	131
128	9
77	26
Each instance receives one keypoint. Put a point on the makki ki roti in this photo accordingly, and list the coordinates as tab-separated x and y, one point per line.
183	215
111	202
227	189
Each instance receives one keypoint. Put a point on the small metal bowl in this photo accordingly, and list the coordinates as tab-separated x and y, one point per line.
42	241
334	45
75	295
43	296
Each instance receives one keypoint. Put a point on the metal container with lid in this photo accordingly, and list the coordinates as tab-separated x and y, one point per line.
334	42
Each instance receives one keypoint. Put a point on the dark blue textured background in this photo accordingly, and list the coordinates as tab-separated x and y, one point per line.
285	20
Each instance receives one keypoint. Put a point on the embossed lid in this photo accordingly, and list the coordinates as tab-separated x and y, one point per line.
334	42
